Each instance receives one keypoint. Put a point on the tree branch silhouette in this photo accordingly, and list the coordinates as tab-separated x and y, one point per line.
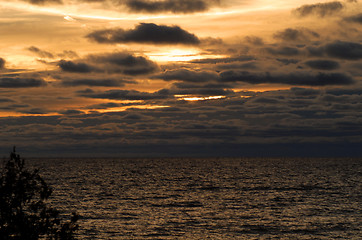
24	213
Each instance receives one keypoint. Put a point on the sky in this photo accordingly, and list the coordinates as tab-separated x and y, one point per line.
181	78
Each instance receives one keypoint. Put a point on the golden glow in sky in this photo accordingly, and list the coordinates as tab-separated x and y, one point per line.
206	76
180	55
104	51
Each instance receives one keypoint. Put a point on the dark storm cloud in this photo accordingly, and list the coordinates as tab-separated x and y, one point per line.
2	63
40	53
297	78
320	9
291	34
145	33
6	100
265	100
85	92
18	82
284	51
19	106
13	107
356	18
305	91
187	75
174	6
147	6
92	83
287	61
105	105
125	63
344	50
110	105
338	49
128	95
345	91
70	66
121	59
71	112
118	62
323	64
37	111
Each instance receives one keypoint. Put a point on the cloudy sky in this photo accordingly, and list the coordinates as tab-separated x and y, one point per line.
181	77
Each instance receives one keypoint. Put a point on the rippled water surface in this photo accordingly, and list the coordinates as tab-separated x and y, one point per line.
221	198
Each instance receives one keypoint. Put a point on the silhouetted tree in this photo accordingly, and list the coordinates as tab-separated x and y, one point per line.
24	213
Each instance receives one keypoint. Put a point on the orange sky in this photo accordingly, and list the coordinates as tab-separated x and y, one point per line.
89	57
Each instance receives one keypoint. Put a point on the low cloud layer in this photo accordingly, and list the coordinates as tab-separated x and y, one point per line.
323	64
295	78
125	62
93	82
117	62
299	116
70	66
19	82
344	50
126	95
338	49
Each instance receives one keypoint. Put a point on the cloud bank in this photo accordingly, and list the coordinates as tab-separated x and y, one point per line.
174	6
149	33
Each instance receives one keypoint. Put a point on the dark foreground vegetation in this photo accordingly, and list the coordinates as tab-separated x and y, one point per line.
24	211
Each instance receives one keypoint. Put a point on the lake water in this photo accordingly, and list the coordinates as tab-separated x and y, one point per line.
215	198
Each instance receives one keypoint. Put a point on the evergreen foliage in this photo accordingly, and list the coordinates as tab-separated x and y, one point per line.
24	213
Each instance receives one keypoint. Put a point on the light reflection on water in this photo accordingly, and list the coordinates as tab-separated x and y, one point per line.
220	198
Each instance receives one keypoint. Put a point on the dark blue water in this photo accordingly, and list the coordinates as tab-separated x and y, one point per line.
220	198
